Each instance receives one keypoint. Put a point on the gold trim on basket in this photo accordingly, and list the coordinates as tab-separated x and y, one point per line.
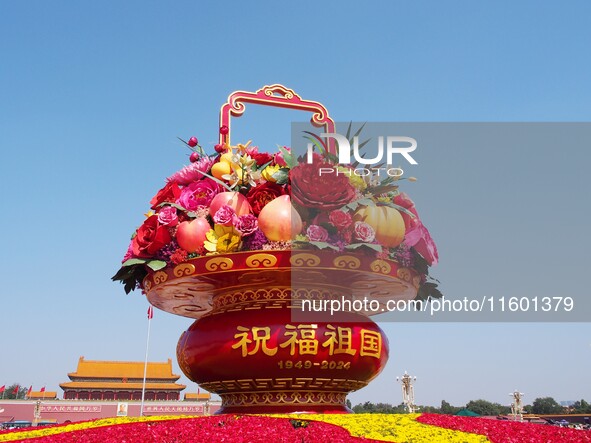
304	259
261	260
347	262
183	269
219	264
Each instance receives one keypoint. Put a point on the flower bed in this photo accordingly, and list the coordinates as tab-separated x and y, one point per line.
230	429
412	428
507	431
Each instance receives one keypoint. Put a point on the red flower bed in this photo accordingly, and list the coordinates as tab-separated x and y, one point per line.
499	431
227	429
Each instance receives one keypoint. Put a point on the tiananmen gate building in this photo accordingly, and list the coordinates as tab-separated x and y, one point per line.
122	380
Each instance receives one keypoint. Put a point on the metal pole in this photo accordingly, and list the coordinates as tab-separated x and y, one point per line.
146	363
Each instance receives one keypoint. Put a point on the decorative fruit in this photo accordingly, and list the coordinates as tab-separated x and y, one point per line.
190	235
279	221
386	221
224	130
193	142
218	170
227	157
194	157
235	200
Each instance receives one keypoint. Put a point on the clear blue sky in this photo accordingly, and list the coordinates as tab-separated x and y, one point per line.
93	96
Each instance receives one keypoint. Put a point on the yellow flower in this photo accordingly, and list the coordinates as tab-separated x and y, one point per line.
268	172
357	181
222	239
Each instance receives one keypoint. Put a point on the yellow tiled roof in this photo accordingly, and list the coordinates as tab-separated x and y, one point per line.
122	386
196	396
40	395
123	369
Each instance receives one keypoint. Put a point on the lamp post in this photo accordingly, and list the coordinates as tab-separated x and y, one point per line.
517	405
408	392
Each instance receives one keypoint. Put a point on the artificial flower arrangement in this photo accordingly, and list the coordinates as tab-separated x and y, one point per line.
242	199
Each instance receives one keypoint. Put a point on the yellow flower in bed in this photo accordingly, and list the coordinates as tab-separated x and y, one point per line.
393	427
222	239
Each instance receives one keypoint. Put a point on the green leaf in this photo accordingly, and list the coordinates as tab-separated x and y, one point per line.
289	157
156	265
134	261
281	176
225	185
377	248
323	245
260	168
364	201
174	205
320	146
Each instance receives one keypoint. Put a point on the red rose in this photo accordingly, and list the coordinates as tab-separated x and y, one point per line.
260	195
169	193
150	238
325	191
260	158
404	200
340	219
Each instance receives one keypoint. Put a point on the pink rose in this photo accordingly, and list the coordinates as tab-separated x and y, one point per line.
224	216
246	224
168	217
420	239
317	233
340	219
199	193
128	254
364	232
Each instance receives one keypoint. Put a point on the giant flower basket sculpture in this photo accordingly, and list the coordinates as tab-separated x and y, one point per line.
257	246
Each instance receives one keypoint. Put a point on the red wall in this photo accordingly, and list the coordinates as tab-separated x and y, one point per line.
90	410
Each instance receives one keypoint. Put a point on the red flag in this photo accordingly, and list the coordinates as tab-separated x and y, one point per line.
15	390
42	389
30	390
2	389
150	312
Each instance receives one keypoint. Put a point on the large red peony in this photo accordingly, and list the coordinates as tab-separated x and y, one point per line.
314	186
150	238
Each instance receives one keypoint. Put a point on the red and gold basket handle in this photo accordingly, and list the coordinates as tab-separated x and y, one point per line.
274	95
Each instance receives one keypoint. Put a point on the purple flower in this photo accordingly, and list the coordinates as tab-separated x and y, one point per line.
246	224
192	172
255	241
364	232
168	216
199	193
224	216
317	233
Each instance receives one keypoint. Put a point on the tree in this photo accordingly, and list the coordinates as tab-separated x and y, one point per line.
9	392
448	409
546	405
348	403
483	407
378	408
581	407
